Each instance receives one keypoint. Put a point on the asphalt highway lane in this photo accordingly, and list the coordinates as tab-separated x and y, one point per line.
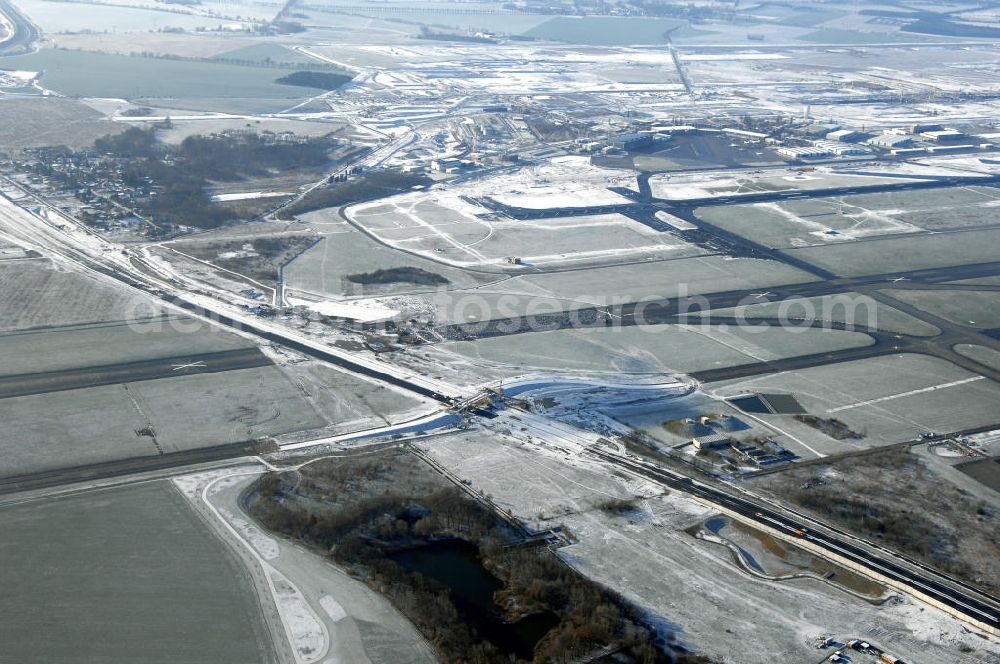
970	601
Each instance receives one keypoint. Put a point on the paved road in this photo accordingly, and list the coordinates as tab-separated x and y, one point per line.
25	33
963	597
20	385
885	344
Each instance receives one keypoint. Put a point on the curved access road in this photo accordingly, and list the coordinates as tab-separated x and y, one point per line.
19	34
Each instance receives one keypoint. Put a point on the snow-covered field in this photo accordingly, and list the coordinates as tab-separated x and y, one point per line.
249	195
569	181
321	610
685	585
889	399
741	183
444	225
361	310
515	68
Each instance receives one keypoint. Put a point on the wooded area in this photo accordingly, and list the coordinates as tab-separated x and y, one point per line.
361	511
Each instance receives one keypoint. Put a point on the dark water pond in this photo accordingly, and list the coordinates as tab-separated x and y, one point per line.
750	404
455	564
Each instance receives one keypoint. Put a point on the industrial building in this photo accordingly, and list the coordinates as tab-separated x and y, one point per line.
631	141
713	441
803	152
677	129
890	141
446	165
742	133
840	149
846	136
945	136
818	130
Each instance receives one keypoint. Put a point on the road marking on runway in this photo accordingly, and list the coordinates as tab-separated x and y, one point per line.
906	394
190	365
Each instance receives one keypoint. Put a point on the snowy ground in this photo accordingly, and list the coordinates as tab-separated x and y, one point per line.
684	584
442	224
364	311
889	399
753	181
509	68
662	349
806	223
249	195
326	616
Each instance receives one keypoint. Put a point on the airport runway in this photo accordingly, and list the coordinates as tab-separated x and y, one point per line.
60	477
131	372
684	205
967	599
667	310
937	182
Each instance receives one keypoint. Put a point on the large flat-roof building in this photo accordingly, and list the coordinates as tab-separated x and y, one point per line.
846	136
841	149
631	141
945	136
803	152
890	141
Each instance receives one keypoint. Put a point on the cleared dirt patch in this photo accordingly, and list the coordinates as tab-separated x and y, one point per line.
800	559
